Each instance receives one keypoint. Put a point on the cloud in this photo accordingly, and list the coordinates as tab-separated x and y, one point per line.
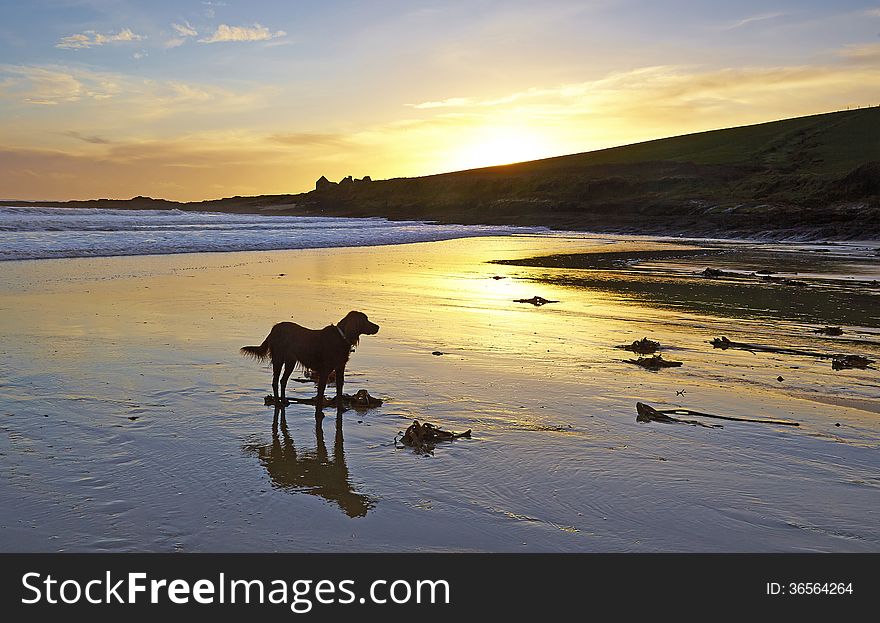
90	38
873	12
133	98
256	32
184	30
303	139
183	33
447	103
755	18
209	10
861	53
52	85
94	140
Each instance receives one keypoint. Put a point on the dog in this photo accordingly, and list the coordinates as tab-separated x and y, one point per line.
315	350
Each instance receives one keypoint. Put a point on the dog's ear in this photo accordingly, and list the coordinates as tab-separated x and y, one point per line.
351	321
360	321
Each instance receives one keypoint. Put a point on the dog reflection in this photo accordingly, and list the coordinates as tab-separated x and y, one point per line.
314	472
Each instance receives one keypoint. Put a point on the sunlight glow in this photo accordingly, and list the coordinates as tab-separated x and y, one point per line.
494	145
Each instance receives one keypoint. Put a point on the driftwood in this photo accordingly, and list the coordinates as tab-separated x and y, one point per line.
643	346
537	301
647	413
423	437
838	361
653	363
360	401
723	343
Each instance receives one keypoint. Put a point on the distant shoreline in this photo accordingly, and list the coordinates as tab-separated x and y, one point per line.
843	223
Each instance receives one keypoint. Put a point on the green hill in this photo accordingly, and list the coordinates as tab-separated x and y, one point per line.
816	175
827	144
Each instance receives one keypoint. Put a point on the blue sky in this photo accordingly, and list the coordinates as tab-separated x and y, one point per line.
195	99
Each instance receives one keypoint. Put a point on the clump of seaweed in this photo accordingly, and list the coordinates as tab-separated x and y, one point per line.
423	437
654	363
643	346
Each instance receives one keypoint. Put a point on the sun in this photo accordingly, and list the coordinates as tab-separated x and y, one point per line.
494	145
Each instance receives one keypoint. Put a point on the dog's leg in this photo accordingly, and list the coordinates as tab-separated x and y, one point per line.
340	381
276	372
288	368
319	399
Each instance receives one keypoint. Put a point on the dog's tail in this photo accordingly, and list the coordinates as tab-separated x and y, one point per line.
260	353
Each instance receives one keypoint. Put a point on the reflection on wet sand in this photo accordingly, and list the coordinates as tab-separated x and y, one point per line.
315	472
823	292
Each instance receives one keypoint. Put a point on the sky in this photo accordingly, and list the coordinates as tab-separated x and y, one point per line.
195	99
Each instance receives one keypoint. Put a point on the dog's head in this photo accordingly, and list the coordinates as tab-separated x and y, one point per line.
357	323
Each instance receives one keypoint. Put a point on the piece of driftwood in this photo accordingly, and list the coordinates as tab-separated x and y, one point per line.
723	343
360	401
654	363
537	301
647	413
423	437
838	361
643	346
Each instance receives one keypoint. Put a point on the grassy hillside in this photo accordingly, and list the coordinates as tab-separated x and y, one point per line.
828	144
813	176
819	173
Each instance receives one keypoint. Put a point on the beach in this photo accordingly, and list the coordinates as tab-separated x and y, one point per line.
131	423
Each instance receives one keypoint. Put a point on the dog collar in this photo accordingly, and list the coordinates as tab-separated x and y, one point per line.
342	335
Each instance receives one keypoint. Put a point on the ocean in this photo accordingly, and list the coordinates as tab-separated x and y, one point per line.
44	233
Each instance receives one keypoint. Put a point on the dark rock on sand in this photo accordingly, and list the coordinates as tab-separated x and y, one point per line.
846	362
829	331
713	273
785	281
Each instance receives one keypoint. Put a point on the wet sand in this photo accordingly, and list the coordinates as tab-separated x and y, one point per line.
128	421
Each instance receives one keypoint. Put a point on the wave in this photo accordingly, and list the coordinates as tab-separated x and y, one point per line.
47	233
